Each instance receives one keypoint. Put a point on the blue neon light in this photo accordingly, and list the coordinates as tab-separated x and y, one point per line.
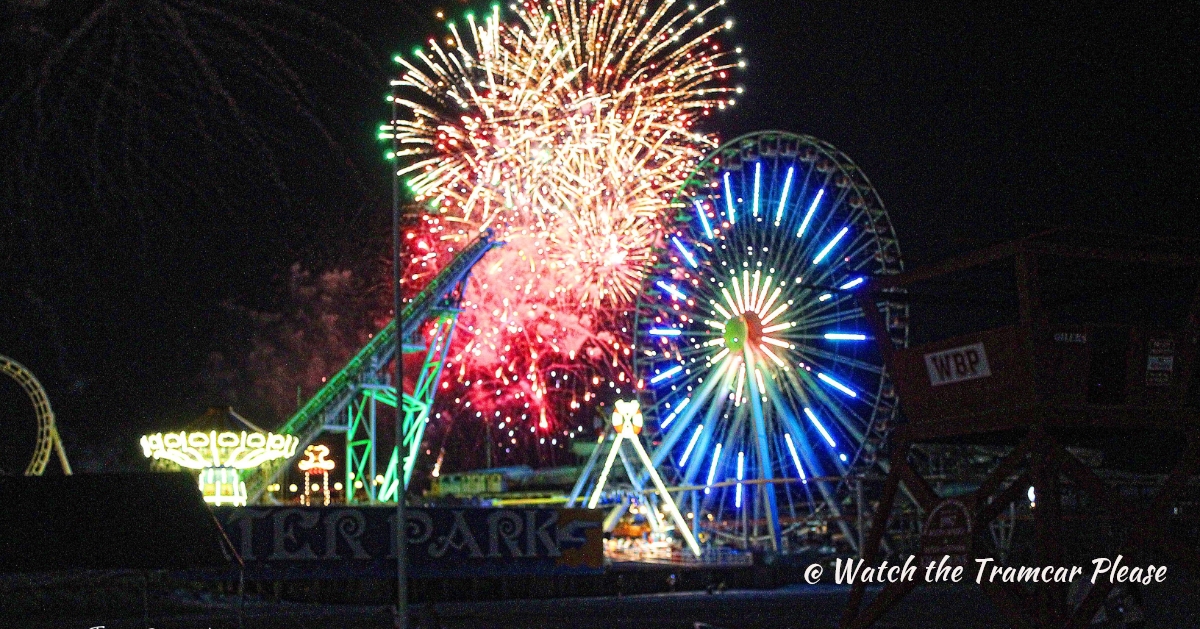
675	413
787	185
741	469
757	181
712	469
829	247
844	336
675	292
691	444
820	428
666	374
666	331
729	199
808	216
708	232
851	284
682	249
795	457
837	385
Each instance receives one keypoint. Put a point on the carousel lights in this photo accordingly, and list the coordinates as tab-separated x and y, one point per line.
220	457
199	450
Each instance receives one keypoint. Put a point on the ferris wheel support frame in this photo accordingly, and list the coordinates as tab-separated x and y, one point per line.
48	437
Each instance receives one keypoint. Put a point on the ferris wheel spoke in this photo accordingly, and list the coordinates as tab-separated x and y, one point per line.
851	260
705	448
808	457
810	352
697	349
833	318
713	384
848	418
765	471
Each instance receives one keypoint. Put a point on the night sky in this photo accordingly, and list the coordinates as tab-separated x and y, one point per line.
974	125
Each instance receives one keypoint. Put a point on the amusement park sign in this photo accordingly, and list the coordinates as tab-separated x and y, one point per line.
359	541
957	364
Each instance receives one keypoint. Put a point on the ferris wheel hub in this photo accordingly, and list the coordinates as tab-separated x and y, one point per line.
744	330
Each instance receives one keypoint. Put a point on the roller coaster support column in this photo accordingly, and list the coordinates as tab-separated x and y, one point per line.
365	376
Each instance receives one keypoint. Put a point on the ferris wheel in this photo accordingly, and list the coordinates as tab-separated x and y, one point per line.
768	389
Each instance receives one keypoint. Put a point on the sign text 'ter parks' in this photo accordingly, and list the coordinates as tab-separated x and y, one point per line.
353	541
957	364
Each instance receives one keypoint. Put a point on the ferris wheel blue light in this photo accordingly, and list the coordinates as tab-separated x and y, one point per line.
741	474
783	198
820	427
832	243
712	469
732	215
795	458
708	232
851	284
672	290
757	185
691	259
837	385
675	413
844	336
666	374
808	216
691	444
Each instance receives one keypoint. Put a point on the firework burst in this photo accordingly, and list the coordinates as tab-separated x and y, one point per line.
573	123
567	129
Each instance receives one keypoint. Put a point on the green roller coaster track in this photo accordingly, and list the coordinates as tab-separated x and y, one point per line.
347	403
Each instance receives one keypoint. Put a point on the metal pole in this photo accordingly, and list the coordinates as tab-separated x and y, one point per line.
402	491
858	491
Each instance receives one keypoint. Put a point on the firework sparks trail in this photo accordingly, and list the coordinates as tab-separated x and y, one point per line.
567	128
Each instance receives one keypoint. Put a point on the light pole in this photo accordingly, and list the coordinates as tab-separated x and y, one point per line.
402	490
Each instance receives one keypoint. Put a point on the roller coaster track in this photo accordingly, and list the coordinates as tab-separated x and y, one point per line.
47	432
332	408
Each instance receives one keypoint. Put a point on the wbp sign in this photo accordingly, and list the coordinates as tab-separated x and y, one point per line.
957	364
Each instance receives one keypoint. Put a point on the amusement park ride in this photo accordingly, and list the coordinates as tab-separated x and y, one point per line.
47	431
772	341
347	403
765	390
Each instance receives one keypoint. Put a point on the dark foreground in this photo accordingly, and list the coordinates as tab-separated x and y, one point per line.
1170	605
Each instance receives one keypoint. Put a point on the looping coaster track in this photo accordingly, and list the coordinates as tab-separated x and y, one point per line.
47	433
347	402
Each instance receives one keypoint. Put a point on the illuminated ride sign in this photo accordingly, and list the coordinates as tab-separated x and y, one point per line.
314	462
627	422
220	457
